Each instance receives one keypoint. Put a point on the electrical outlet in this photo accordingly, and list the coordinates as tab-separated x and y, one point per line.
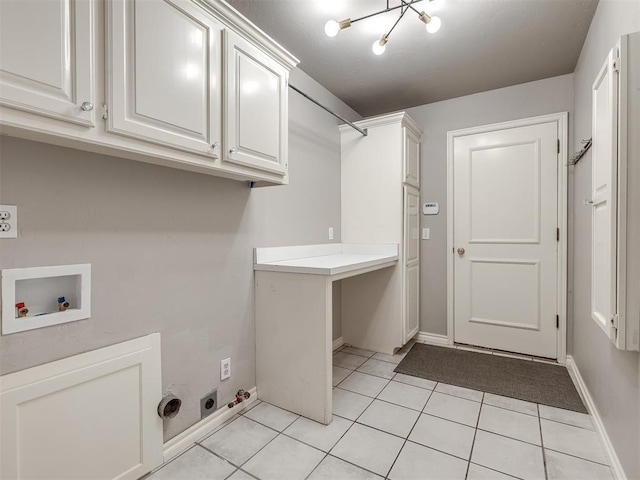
208	404
330	233
8	221
426	233
225	368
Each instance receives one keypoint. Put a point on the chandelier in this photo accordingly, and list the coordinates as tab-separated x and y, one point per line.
433	24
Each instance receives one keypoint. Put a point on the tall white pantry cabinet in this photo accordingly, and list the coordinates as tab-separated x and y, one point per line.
381	204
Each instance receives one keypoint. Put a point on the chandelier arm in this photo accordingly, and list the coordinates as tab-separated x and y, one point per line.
408	4
402	5
397	21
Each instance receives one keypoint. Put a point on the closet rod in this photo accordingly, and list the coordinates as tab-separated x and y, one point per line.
311	99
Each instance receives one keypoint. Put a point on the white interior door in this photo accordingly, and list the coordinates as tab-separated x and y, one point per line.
505	239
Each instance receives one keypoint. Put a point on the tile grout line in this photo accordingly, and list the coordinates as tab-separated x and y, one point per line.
408	435
544	456
475	432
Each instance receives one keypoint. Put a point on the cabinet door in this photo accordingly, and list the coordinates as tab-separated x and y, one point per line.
411	262
411	301
256	117
411	156
164	75
46	63
604	180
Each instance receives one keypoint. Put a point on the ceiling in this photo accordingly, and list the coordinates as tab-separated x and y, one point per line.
482	45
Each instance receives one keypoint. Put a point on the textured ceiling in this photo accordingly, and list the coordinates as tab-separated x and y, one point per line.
482	45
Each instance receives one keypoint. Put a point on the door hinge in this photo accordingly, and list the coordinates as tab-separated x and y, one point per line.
615	320
616	64
558	145
105	111
557	321
557	234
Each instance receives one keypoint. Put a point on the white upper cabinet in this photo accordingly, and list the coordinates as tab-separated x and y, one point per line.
46	63
164	74
256	113
411	157
188	84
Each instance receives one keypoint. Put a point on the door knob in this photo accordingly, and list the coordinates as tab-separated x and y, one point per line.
460	251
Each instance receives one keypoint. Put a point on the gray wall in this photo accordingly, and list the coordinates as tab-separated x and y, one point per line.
527	100
171	251
612	376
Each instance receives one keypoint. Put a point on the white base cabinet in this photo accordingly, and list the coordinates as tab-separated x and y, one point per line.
188	84
381	203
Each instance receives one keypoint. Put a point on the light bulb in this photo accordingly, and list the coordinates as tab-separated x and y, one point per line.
378	47
331	28
434	25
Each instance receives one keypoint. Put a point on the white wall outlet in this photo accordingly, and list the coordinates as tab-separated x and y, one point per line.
426	233
330	233
8	221
225	368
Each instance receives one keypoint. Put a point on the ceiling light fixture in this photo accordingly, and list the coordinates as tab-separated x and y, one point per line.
332	28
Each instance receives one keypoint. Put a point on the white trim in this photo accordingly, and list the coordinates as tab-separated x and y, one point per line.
562	119
614	461
337	343
389	119
433	338
207	425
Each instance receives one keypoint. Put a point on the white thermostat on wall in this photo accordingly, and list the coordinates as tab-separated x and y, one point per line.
430	209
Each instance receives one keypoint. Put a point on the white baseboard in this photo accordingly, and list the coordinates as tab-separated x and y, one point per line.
184	440
614	461
337	343
433	338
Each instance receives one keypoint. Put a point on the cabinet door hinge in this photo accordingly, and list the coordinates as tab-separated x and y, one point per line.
557	321
616	64
615	321
558	145
105	111
557	234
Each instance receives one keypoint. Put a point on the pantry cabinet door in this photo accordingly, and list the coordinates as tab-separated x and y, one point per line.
411	154
411	262
164	73
256	117
46	58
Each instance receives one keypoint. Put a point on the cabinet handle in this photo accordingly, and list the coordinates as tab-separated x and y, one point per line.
215	145
86	106
233	150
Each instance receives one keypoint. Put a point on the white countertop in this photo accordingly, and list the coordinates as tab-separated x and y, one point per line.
326	259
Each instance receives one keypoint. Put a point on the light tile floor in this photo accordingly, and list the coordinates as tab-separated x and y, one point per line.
398	427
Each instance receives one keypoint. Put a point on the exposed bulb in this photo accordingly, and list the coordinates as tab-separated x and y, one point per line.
434	25
331	28
379	46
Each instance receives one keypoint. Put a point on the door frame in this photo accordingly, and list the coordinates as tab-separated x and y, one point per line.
561	119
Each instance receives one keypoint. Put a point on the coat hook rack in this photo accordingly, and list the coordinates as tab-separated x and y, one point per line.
575	158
